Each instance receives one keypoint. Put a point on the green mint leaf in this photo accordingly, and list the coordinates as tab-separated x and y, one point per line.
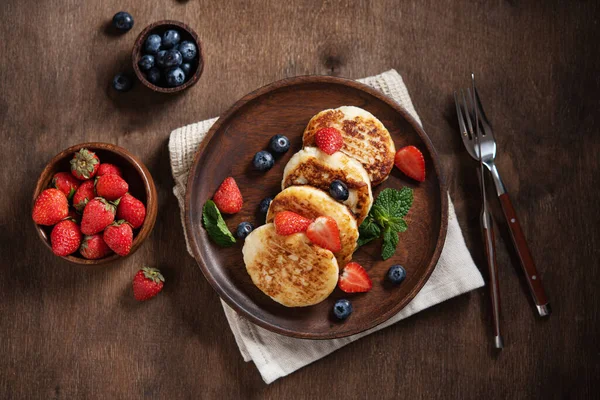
392	202
390	242
397	224
215	225
368	231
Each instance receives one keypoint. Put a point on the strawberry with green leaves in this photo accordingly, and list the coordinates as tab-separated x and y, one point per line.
119	237
84	193
66	183
97	215
84	164
50	207
147	283
65	238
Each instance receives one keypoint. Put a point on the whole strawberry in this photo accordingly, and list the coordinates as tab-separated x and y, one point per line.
50	207
131	210
84	193
106	168
66	183
119	236
147	283
65	238
93	247
111	186
228	197
97	215
84	164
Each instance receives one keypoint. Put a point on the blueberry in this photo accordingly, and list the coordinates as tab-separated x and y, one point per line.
342	309
188	50
122	83
170	38
153	75
396	274
152	44
186	68
279	144
263	207
146	62
243	230
160	58
175	77
263	161
122	21
172	59
338	190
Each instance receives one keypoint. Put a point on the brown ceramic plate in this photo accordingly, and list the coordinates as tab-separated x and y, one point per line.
285	107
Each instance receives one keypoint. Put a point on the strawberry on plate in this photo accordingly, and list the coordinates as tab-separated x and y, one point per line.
84	164
324	232
147	283
97	215
288	223
84	193
66	183
354	279
111	186
50	207
410	161
93	247
329	140
228	197
119	237
131	210
106	168
65	238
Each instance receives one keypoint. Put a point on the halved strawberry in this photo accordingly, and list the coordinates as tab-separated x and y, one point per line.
287	223
354	279
324	232
410	161
228	197
329	140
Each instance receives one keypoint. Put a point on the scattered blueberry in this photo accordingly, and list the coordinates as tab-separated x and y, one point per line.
152	44
175	77
172	59
188	50
342	309
122	83
396	274
123	21
153	75
243	230
170	38
146	62
338	190
160	58
263	161
263	207
186	68
279	144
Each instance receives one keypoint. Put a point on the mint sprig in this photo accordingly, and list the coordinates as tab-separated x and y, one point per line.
215	225
386	219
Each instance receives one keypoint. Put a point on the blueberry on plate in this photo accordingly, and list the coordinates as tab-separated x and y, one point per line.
122	21
338	190
153	75
186	68
243	230
160	58
170	38
263	161
279	144
263	207
396	274
342	309
152	44
122	83
172	59
175	77
146	62
188	50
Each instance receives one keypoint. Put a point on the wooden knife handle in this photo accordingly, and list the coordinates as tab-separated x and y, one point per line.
489	242
533	278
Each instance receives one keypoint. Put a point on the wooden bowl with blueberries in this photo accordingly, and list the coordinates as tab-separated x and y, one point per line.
167	57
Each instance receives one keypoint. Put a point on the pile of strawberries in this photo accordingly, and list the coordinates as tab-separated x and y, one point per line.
90	209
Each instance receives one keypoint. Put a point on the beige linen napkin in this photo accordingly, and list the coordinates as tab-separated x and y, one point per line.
275	355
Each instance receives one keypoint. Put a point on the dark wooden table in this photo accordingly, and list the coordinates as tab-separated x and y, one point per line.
69	332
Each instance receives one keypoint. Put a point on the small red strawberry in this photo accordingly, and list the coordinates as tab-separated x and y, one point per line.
147	283
65	238
228	197
84	164
329	140
66	183
84	193
93	247
131	210
50	207
287	223
74	216
106	168
410	161
324	232
111	186
119	236
97	215
354	279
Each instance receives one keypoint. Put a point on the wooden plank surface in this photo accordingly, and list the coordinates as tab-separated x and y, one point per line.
71	332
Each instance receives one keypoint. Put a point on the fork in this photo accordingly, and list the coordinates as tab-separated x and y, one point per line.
488	152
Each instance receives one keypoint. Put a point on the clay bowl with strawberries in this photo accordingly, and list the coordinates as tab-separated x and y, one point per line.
101	229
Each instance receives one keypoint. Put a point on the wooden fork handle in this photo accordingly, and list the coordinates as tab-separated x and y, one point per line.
533	277
489	242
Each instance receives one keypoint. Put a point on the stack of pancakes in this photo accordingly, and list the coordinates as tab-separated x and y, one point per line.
290	269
